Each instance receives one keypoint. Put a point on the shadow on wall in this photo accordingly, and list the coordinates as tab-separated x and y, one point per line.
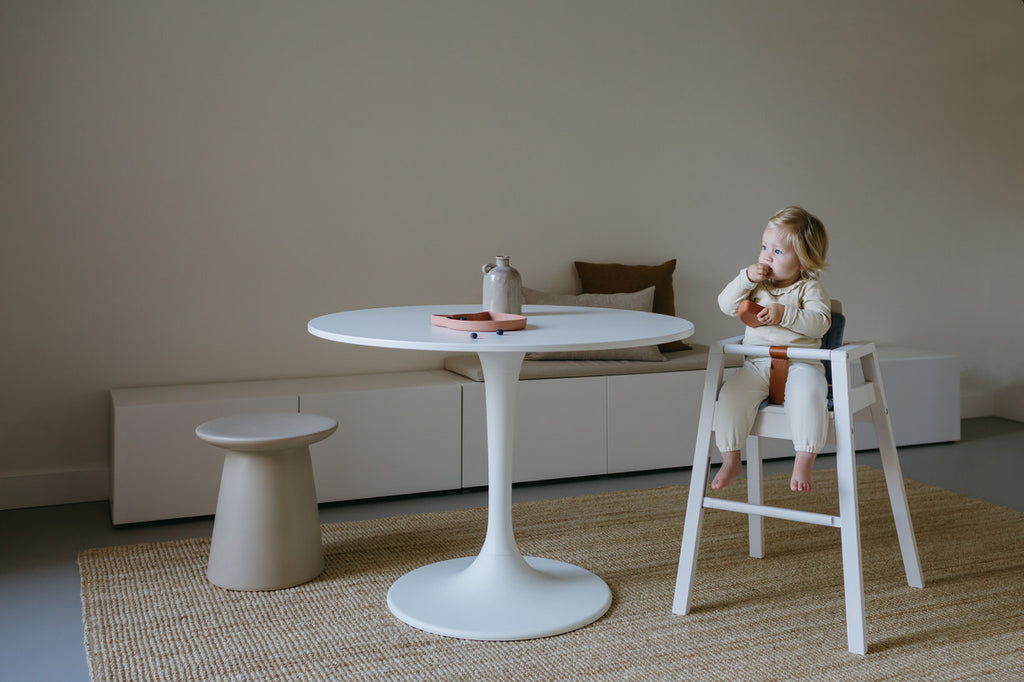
1009	402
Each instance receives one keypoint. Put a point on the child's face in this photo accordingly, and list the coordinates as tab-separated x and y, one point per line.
778	255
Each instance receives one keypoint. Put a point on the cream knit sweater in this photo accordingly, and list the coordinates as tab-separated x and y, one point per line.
805	321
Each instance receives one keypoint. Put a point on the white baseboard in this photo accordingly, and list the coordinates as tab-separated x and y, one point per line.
54	486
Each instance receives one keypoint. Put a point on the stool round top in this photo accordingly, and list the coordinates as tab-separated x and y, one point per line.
263	432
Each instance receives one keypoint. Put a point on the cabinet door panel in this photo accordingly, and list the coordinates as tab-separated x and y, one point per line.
160	469
390	441
559	432
652	420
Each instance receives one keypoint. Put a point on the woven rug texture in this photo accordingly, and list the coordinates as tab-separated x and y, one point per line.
150	614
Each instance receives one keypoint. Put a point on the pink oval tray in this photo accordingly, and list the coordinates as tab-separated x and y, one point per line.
480	322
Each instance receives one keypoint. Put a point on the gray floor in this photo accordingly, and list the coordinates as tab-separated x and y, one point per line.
40	606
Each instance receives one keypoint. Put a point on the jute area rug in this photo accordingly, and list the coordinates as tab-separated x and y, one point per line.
150	613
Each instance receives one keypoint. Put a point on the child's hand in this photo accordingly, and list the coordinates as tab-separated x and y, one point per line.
757	272
772	314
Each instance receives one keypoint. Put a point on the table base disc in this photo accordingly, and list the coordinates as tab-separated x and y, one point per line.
499	597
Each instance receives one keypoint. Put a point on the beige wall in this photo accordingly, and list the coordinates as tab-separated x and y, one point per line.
184	184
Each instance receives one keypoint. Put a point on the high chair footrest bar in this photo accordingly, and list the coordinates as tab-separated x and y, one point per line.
774	512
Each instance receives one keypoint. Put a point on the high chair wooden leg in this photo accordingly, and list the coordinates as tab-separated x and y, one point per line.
893	474
693	522
849	513
698	485
755	495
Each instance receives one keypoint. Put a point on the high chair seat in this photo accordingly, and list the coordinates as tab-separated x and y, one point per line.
864	402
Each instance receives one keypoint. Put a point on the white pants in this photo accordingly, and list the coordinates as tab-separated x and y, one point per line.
806	404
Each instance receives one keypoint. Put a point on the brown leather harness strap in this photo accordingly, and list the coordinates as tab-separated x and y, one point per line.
778	374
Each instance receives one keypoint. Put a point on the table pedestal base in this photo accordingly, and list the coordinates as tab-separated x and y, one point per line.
499	597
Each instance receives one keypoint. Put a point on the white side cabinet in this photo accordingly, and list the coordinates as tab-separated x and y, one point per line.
652	420
159	469
391	439
398	433
560	430
412	432
639	422
922	390
587	426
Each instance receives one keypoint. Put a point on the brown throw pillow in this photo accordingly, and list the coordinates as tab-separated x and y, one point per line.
615	278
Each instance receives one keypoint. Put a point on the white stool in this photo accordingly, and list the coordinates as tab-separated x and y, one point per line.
266	534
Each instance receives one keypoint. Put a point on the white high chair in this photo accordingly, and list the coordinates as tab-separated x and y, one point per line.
864	402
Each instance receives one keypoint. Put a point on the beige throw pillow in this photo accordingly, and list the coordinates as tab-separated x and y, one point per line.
638	300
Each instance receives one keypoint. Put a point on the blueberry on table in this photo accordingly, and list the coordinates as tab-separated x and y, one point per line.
472	335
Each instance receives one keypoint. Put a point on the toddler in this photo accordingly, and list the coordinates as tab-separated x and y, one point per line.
797	312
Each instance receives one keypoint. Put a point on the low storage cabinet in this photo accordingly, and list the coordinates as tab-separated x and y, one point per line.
414	432
398	433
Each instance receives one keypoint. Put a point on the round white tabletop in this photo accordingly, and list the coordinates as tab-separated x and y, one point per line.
548	328
500	594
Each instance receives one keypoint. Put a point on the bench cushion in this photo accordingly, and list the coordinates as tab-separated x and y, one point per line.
468	365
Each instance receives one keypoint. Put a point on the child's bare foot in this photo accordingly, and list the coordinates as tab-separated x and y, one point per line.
731	468
802	477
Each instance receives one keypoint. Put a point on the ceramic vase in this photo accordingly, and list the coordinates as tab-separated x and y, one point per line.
503	288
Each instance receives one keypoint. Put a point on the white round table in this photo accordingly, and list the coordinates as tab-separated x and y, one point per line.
499	594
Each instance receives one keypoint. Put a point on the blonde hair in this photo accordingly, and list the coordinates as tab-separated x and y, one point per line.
806	236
